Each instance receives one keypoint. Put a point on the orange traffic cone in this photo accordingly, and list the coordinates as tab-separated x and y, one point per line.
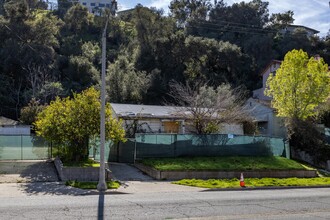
241	181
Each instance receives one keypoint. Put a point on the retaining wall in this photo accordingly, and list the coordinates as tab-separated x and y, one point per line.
79	173
178	175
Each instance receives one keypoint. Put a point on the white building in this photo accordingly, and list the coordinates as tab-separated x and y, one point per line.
292	28
12	127
97	6
162	119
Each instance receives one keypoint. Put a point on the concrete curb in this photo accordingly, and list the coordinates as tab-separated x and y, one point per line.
266	188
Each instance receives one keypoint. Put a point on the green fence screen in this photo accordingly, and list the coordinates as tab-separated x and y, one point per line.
20	147
176	145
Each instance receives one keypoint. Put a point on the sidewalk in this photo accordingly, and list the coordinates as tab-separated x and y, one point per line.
132	181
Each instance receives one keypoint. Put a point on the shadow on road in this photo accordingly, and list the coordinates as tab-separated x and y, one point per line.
52	188
100	208
125	172
39	172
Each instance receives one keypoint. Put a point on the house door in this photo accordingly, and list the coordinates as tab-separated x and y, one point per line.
171	126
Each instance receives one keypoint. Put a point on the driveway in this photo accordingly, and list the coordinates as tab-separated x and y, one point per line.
40	177
27	171
134	181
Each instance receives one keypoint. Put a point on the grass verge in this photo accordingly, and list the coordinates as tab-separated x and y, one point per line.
255	182
223	163
87	163
92	185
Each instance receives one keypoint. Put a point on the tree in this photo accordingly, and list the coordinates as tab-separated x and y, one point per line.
78	19
299	86
209	107
125	83
281	20
29	113
184	10
70	122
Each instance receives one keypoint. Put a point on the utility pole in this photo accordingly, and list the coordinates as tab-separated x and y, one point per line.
102	186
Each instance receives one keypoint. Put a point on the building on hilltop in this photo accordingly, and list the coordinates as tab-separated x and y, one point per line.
294	28
97	6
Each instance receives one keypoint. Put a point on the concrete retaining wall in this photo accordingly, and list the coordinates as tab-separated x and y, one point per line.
302	155
178	175
79	173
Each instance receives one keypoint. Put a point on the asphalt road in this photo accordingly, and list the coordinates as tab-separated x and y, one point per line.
247	204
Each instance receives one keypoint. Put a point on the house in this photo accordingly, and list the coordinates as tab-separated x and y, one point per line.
292	28
97	6
260	106
12	127
265	117
269	69
160	119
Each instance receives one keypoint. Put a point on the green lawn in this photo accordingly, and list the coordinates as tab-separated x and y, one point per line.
92	185
255	182
87	163
223	163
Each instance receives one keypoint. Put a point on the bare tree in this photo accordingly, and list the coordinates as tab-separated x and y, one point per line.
37	76
43	85
208	107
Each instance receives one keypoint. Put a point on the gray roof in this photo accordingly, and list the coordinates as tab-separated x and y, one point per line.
7	121
148	111
259	109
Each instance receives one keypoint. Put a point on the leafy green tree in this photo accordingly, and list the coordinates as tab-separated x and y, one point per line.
299	86
211	61
50	90
185	10
150	26
70	122
78	19
281	20
81	73
125	83
29	113
16	10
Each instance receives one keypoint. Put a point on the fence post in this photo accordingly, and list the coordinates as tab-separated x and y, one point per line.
51	149
21	147
134	151
287	148
175	140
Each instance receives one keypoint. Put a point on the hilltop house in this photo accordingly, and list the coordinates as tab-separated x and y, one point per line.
292	28
96	6
160	119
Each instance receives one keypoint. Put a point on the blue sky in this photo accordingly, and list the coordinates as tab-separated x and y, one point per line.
311	13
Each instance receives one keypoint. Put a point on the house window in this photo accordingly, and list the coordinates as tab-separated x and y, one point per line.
263	127
84	3
101	5
171	127
92	4
108	5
